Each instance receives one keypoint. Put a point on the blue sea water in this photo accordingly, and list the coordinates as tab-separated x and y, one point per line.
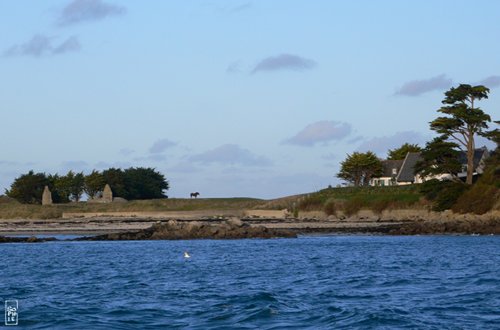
358	282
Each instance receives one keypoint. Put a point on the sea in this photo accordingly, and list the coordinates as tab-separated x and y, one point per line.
311	282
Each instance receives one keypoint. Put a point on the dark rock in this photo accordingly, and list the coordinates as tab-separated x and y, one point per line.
484	227
31	239
175	230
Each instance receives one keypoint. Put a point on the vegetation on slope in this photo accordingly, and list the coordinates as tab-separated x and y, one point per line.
484	195
11	209
349	200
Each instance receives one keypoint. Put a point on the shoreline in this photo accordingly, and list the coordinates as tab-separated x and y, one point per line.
397	222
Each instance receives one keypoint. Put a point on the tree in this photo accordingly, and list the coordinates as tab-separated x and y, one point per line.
400	153
115	177
494	135
93	184
358	168
464	119
28	188
439	157
62	187
144	183
77	186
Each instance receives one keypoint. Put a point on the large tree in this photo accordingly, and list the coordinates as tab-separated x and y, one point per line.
144	183
358	168
115	177
439	157
94	184
28	188
464	119
400	153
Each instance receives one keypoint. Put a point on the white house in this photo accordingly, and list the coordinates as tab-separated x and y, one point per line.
402	172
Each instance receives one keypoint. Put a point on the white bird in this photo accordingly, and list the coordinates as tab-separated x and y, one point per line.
186	255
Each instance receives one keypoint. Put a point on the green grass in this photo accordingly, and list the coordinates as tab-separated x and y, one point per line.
10	209
484	195
352	199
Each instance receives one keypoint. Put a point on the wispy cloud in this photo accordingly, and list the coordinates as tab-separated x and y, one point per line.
161	145
152	157
491	81
70	45
321	131
231	154
74	165
241	7
419	87
234	67
78	11
381	145
126	151
330	156
40	45
284	62
106	165
184	167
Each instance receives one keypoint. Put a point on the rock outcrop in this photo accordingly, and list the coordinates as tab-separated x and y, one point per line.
31	239
46	196
107	194
172	230
459	226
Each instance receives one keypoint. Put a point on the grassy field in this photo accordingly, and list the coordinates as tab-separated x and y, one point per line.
11	209
349	200
345	200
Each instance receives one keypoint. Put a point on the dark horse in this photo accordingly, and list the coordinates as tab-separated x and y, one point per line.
195	194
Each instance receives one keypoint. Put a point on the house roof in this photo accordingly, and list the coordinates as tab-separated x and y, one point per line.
407	172
388	165
478	155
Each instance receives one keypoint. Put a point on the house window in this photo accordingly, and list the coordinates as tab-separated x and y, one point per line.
394	171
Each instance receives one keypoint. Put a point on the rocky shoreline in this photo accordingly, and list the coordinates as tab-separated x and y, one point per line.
174	230
397	222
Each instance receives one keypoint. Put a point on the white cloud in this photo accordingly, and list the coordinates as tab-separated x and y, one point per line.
161	145
321	131
491	81
78	11
40	45
231	154
284	62
381	145
419	87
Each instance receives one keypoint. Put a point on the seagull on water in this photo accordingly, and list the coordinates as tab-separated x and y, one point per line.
186	255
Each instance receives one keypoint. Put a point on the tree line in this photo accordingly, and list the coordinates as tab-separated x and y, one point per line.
132	184
463	120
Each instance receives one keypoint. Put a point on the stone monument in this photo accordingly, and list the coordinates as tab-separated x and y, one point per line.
107	194
46	196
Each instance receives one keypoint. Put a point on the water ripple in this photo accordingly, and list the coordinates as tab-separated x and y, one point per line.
306	283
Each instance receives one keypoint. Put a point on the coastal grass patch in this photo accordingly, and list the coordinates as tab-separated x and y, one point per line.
15	210
484	195
351	200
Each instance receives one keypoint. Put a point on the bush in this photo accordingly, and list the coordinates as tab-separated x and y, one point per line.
379	206
479	200
352	206
311	203
443	194
330	207
484	194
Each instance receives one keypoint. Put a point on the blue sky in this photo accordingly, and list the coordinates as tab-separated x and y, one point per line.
232	98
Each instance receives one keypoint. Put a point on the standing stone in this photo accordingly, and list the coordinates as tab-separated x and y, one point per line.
46	196
107	194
